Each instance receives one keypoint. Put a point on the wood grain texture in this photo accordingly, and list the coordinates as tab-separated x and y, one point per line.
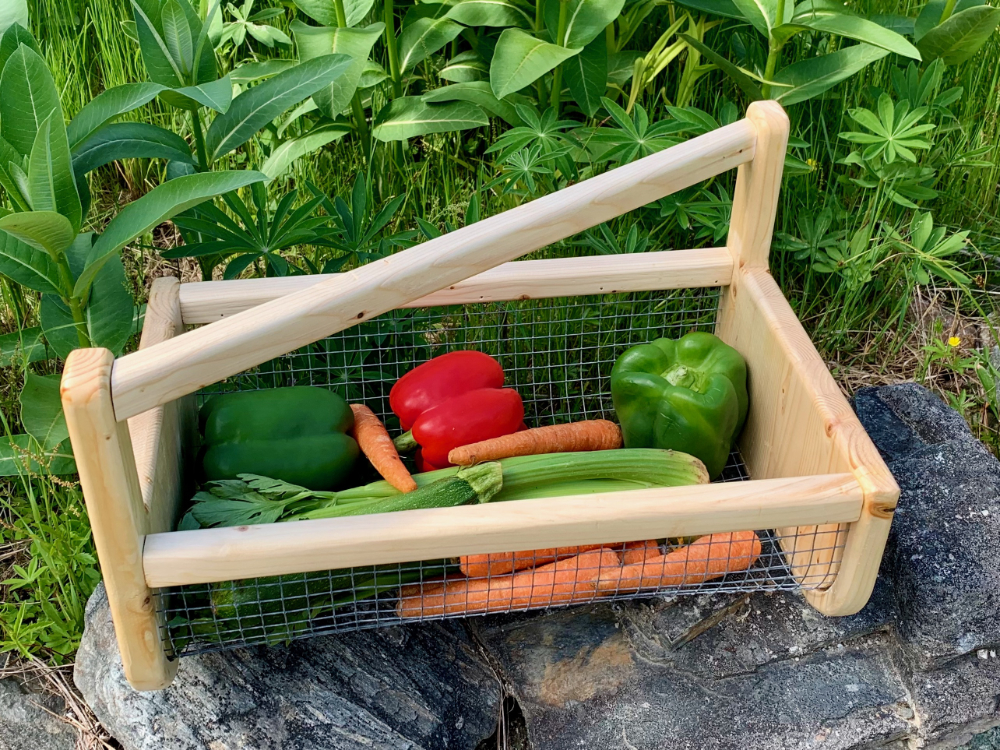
800	423
208	301
161	435
182	365
758	182
208	555
104	459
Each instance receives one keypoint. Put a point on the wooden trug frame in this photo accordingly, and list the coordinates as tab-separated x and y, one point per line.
811	462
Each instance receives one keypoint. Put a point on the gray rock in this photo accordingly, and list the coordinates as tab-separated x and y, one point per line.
986	741
689	674
944	552
30	721
409	688
960	700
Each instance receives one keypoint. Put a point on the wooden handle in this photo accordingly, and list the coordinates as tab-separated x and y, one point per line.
186	363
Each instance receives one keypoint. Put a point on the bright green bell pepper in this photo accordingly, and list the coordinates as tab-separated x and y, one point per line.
296	434
687	395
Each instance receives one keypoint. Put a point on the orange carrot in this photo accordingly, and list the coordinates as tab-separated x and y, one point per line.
635	552
588	435
375	443
572	580
498	563
704	559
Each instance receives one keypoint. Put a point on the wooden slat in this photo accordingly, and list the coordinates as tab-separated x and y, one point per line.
206	355
110	484
209	301
208	555
160	435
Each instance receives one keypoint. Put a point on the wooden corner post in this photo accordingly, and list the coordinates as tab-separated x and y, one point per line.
104	459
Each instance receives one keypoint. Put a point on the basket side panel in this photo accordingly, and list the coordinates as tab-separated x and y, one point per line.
800	423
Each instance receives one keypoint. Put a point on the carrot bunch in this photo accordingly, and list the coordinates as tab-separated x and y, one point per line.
520	580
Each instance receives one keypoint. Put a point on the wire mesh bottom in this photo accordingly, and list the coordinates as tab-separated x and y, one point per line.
557	354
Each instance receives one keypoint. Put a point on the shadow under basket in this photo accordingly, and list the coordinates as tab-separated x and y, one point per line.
804	504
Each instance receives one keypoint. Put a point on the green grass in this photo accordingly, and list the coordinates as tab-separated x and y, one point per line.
865	329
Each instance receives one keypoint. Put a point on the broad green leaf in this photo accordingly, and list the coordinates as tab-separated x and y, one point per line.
521	59
490	13
621	66
155	207
13	12
45	230
18	456
129	140
587	75
285	154
811	77
23	347
961	36
852	27
107	106
29	266
255	71
29	98
216	95
424	35
464	67
177	36
41	410
258	106
160	66
109	315
726	8
930	14
13	38
51	180
741	79
585	19
372	75
316	41
325	11
409	117
480	94
762	14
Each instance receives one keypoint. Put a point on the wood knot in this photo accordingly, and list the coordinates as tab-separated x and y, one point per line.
360	315
882	510
243	528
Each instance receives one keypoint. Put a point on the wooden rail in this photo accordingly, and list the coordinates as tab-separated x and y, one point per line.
209	301
209	555
182	365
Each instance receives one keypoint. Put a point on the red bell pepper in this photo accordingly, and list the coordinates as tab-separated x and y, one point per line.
440	379
473	416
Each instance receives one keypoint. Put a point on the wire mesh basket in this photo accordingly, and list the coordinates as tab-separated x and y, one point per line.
557	353
805	504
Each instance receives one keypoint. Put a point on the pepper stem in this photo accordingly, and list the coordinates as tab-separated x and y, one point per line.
406	443
485	479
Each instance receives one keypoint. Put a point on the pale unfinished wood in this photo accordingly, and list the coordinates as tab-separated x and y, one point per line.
159	436
209	555
208	301
758	182
182	365
110	484
800	423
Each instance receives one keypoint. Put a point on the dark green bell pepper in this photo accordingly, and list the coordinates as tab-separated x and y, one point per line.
296	434
687	395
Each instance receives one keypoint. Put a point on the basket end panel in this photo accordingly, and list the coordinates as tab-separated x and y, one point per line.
104	458
800	423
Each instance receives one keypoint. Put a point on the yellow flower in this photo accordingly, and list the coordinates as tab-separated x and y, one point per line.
812	163
954	341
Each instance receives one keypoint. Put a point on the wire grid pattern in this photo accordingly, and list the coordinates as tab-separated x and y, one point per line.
557	354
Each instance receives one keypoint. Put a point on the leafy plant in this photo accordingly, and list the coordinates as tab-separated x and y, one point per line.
894	130
246	23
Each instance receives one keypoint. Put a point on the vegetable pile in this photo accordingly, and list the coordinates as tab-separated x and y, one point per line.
294	454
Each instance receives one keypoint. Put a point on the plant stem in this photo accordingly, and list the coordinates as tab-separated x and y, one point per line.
199	141
389	17
773	54
949	8
557	75
81	322
357	108
609	36
338	7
